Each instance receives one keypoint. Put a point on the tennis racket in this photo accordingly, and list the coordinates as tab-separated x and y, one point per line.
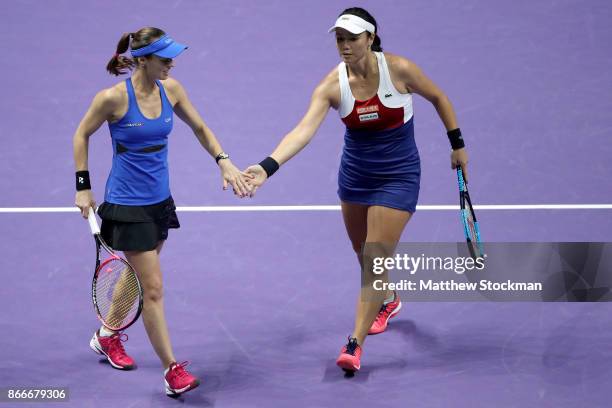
468	218
115	290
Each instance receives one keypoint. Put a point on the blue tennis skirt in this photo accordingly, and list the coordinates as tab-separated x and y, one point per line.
381	168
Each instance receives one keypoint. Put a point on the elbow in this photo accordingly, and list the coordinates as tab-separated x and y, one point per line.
200	131
305	140
440	100
303	135
79	138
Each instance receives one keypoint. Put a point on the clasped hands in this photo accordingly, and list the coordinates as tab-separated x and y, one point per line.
244	183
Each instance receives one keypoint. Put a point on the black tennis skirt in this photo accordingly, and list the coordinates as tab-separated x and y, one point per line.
137	227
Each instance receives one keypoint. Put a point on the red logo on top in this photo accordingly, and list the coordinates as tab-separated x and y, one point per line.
367	109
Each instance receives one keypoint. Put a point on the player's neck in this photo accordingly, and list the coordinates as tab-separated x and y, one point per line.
365	67
142	83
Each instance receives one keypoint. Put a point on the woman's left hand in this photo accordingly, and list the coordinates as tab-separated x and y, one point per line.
234	177
459	157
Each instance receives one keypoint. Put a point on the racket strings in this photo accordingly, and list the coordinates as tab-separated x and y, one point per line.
474	244
117	293
472	228
468	212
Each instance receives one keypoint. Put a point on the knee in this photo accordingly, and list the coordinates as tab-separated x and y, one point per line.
377	248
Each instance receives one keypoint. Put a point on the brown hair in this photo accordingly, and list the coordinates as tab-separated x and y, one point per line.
119	64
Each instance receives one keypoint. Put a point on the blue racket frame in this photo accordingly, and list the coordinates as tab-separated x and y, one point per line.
464	196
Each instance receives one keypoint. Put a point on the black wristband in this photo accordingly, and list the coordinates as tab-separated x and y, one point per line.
82	180
269	165
456	140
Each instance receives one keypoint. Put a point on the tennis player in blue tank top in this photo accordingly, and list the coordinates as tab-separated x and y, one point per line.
379	177
138	208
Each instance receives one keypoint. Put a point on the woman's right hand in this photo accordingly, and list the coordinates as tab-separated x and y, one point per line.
258	177
84	200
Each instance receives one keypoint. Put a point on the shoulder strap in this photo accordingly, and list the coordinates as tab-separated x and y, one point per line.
162	92
384	83
347	100
130	92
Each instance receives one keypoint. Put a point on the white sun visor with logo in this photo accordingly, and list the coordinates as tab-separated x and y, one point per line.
353	24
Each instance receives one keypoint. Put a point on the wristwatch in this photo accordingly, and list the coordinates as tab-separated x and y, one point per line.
221	156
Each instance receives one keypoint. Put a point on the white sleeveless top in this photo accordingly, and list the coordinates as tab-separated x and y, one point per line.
387	109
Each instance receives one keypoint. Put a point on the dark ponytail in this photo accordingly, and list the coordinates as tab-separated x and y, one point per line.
362	13
118	63
376	44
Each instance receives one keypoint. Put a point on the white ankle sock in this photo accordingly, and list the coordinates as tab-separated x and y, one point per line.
168	369
390	299
104	332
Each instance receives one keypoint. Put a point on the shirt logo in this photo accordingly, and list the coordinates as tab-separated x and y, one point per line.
368	117
167	120
136	124
388	95
367	109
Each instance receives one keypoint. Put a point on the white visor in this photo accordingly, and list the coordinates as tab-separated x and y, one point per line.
353	24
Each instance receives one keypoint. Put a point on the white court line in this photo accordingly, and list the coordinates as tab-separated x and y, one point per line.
254	208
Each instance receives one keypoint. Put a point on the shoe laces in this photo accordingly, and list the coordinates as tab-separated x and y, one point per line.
178	369
351	346
383	309
115	342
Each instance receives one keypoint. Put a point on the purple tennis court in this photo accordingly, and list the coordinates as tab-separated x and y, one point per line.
250	283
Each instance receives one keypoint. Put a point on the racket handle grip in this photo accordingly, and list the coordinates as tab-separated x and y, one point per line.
93	223
460	179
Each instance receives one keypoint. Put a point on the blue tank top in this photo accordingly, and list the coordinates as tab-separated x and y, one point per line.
139	174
